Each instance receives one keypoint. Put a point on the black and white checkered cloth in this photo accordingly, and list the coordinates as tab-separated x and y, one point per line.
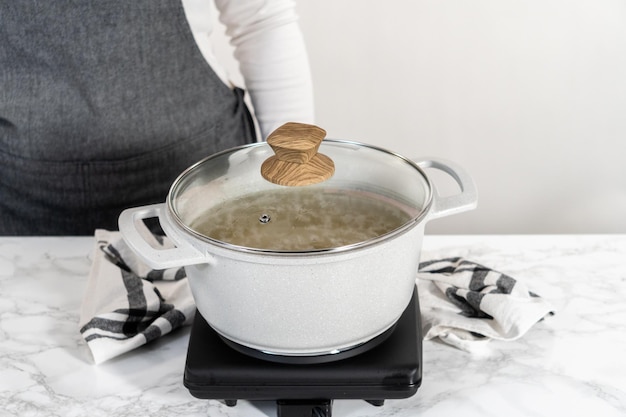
466	304
127	304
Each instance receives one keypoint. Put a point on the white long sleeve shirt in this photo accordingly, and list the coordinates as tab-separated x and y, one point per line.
270	50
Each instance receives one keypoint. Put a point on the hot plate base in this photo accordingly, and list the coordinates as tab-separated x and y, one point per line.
390	370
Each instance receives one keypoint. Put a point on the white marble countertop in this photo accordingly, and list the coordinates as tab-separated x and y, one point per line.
571	364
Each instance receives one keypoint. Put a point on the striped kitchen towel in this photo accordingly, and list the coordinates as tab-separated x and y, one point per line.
127	304
465	304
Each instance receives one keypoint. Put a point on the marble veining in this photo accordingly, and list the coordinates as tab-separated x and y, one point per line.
570	364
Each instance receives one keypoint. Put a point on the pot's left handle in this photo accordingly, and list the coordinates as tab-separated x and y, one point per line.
133	231
456	203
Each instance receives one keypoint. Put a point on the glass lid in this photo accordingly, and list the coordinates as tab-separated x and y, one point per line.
372	194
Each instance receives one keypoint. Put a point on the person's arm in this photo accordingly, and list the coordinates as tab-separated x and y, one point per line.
273	61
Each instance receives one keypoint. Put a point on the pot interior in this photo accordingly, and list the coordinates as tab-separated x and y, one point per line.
372	195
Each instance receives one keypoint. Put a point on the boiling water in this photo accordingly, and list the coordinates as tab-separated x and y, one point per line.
303	220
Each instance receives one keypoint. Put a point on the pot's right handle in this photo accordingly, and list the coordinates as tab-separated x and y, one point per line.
457	203
133	231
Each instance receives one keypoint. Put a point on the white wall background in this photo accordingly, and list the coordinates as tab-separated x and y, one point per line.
528	96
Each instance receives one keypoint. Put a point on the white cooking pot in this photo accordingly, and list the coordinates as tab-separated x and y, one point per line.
304	302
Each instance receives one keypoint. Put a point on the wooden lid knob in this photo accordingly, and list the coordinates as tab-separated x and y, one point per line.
296	161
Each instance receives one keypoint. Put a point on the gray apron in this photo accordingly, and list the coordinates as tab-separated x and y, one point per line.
102	104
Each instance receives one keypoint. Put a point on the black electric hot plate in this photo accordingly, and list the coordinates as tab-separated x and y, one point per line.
391	368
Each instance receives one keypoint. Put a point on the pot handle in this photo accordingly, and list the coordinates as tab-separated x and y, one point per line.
457	203
133	231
